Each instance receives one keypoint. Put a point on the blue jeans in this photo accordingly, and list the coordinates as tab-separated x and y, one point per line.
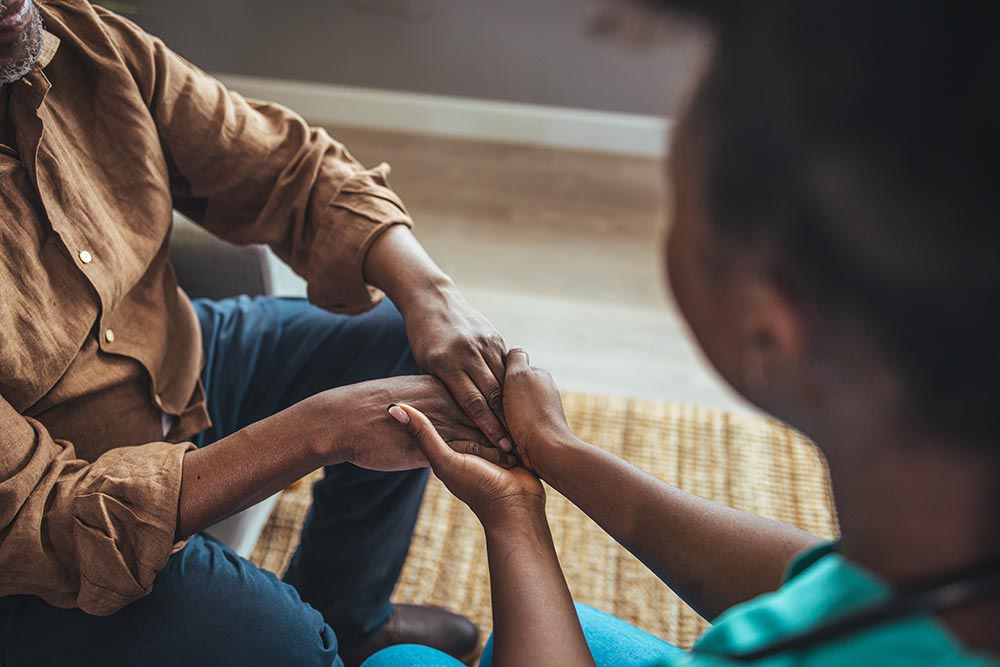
612	642
211	607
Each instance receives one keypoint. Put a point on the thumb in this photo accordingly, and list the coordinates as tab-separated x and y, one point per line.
434	448
516	360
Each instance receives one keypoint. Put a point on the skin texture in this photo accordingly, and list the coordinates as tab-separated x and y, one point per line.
922	504
346	424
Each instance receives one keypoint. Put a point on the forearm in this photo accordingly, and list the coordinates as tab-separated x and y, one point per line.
399	266
246	467
711	555
535	622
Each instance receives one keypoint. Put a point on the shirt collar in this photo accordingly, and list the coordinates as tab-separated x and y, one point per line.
50	44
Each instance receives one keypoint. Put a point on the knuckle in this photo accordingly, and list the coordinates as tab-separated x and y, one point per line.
488	453
495	397
518	372
438	359
493	341
475	404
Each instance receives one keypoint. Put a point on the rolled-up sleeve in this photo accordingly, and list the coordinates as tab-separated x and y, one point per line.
256	172
78	534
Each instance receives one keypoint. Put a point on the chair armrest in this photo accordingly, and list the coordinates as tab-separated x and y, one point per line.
208	267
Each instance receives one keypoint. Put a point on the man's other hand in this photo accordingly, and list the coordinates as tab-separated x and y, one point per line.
351	424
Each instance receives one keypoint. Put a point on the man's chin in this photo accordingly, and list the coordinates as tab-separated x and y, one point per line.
24	52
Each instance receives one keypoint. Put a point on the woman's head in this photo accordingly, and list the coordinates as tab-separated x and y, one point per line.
835	225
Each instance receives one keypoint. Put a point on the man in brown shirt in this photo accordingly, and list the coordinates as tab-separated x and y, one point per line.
109	376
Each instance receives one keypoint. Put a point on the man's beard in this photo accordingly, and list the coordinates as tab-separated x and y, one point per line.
25	52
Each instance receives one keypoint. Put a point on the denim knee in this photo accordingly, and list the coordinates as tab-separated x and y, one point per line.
390	331
221	609
207	607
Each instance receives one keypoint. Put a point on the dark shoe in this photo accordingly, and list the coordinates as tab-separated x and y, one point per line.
415	624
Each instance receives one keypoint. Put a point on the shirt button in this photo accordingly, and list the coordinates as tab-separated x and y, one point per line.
86	257
109	335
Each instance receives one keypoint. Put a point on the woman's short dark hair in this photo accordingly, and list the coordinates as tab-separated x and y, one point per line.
858	135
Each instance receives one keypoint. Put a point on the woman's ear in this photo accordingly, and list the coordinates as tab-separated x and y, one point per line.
772	336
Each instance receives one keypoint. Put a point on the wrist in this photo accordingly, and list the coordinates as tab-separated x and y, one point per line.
548	461
325	435
513	517
432	291
399	266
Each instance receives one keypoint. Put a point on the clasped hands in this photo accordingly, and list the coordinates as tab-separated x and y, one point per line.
426	426
534	416
478	413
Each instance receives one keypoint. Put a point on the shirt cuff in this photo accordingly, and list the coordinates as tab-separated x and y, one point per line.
124	522
347	227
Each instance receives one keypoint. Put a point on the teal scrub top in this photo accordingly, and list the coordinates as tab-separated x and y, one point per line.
820	586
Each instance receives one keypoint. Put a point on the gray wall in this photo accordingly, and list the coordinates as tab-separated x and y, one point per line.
534	51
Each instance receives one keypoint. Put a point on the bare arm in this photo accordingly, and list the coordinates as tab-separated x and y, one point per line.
346	424
711	555
533	614
247	467
534	620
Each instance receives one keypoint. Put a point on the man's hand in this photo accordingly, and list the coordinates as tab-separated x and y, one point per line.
351	422
456	344
448	337
492	492
534	410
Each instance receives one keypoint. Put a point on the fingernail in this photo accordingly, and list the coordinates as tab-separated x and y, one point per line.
505	444
399	414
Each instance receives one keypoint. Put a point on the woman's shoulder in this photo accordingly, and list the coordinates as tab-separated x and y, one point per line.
821	588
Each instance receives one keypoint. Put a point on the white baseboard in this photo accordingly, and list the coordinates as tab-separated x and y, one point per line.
467	118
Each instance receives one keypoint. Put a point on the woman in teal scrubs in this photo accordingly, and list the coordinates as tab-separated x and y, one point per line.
835	249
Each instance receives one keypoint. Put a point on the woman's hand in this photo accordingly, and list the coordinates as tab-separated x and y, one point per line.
492	492
533	614
533	410
350	424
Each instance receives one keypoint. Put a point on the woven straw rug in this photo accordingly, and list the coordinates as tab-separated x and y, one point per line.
744	461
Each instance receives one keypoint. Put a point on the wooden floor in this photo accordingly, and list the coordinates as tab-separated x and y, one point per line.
560	249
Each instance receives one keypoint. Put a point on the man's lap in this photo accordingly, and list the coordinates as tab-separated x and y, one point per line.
264	354
208	605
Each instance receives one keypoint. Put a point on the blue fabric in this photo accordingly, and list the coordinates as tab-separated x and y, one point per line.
612	642
209	606
264	354
411	655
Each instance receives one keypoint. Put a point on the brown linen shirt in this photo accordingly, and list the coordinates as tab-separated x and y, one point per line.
112	132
